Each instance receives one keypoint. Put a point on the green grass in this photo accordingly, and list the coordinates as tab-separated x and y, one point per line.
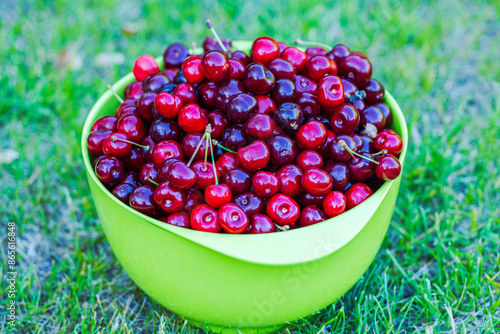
438	268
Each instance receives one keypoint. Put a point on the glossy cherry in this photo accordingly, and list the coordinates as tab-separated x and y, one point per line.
357	68
144	65
207	93
167	149
390	141
311	215
211	43
258	79
226	163
345	119
233	219
386	111
95	141
193	198
181	176
236	69
205	174
340	175
339	52
319	66
192	118
250	203
311	135
175	55
133	91
148	174
180	219
165	129
260	223
123	191
283	210
116	145
324	150
255	156
338	153
145	106
155	82
235	138
125	104
357	194
265	50
330	92
133	127
219	123
305	199
266	105
217	195
289	117
374	92
241	107
282	69
361	169
105	123
305	85
169	198
388	167
295	57
167	105
283	92
265	184
204	218
308	159
314	51
308	103
290	177
109	169
334	203
260	126
193	70
241	57
317	182
142	200
227	90
186	92
238	180
215	66
374	116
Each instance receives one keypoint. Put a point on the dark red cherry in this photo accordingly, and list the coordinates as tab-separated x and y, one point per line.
219	122
374	116
155	82
168	197
205	174
368	145
311	135
186	92
345	119
95	141
175	55
266	105
171	73
226	163
167	149
388	167
338	152
283	92
193	198
180	219
167	105
258	79
241	57
361	169
340	175
250	203
289	118
193	70
311	215
305	85
215	66
282	69
235	138
319	66
386	111
357	139
357	194
164	167
149	172
290	177
144	65
324	150
125	104
105	123
283	150
282	46
236	70
334	203
339	52
133	127
238	180
374	92
109	169
308	103
133	91
305	199
241	107
204	218
265	50
207	92
122	191
255	156
349	88
317	182
233	219
295	57
217	195
145	106
142	200
330	92
390	141
150	144
308	159
211	43
356	68
116	145
260	126
131	110
192	118
135	159
181	176
165	129
283	210
260	223
314	51
227	90
265	184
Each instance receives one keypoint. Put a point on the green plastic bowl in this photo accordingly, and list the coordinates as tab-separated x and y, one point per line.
243	283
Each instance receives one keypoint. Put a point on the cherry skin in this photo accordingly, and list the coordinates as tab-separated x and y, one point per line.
155	82
386	111
131	110
311	135
260	223
204	218
145	106
193	198
241	107
265	50
361	169
211	43
233	219
340	175
171	73
149	174
314	51
356	194
150	144
295	57
290	177
235	138
142	200
125	104
193	70
255	156
181	176
388	167
180	219
164	167
283	210
260	126
374	92
289	117
175	55
135	159
390	141
165	129
95	141
236	69
167	149
258	79
308	103
205	174
116	145
308	159
133	127
133	91
339	52
317	182
265	184
284	91
144	65
227	90
311	215
357	68
266	105
123	191
215	66
319	66
345	119
207	92
226	163
167	105
219	122
168	197
324	150
339	153
238	180
109	169
334	203
192	118
217	195
374	116
250	203
105	123
241	57
330	92
305	85
368	145
186	92
305	199
282	69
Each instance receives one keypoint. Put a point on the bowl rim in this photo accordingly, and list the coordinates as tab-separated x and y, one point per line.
203	237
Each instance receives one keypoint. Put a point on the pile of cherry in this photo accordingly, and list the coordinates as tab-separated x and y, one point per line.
237	143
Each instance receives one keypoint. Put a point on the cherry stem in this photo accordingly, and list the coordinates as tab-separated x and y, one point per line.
301	42
384	151
282	228
211	27
153	182
344	145
115	93
193	47
114	139
196	150
213	162
215	142
206	150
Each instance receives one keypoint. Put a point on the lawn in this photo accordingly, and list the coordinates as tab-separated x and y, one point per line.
438	270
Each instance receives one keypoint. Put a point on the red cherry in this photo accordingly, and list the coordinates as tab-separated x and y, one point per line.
315	50
215	66
345	119
330	92
192	118
390	141
133	127
324	150
168	197
142	200
338	152
123	191
217	195
144	65
295	57
116	145
265	184
95	141
308	159
317	182
290	177
181	176
109	169
193	198
167	105
180	219
357	194
305	85
311	135
233	219
105	123
265	50
149	174
374	116
135	159
357	68
191	141
204	218
311	215
339	52
266	105
260	126
241	57
125	104
131	110
227	90
255	156
207	92
186	92
250	203
374	92
145	106
238	180
260	223
236	69
167	149
305	199
226	163
205	174
319	66
133	91
308	103
388	167
193	70
334	203
282	69
283	210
